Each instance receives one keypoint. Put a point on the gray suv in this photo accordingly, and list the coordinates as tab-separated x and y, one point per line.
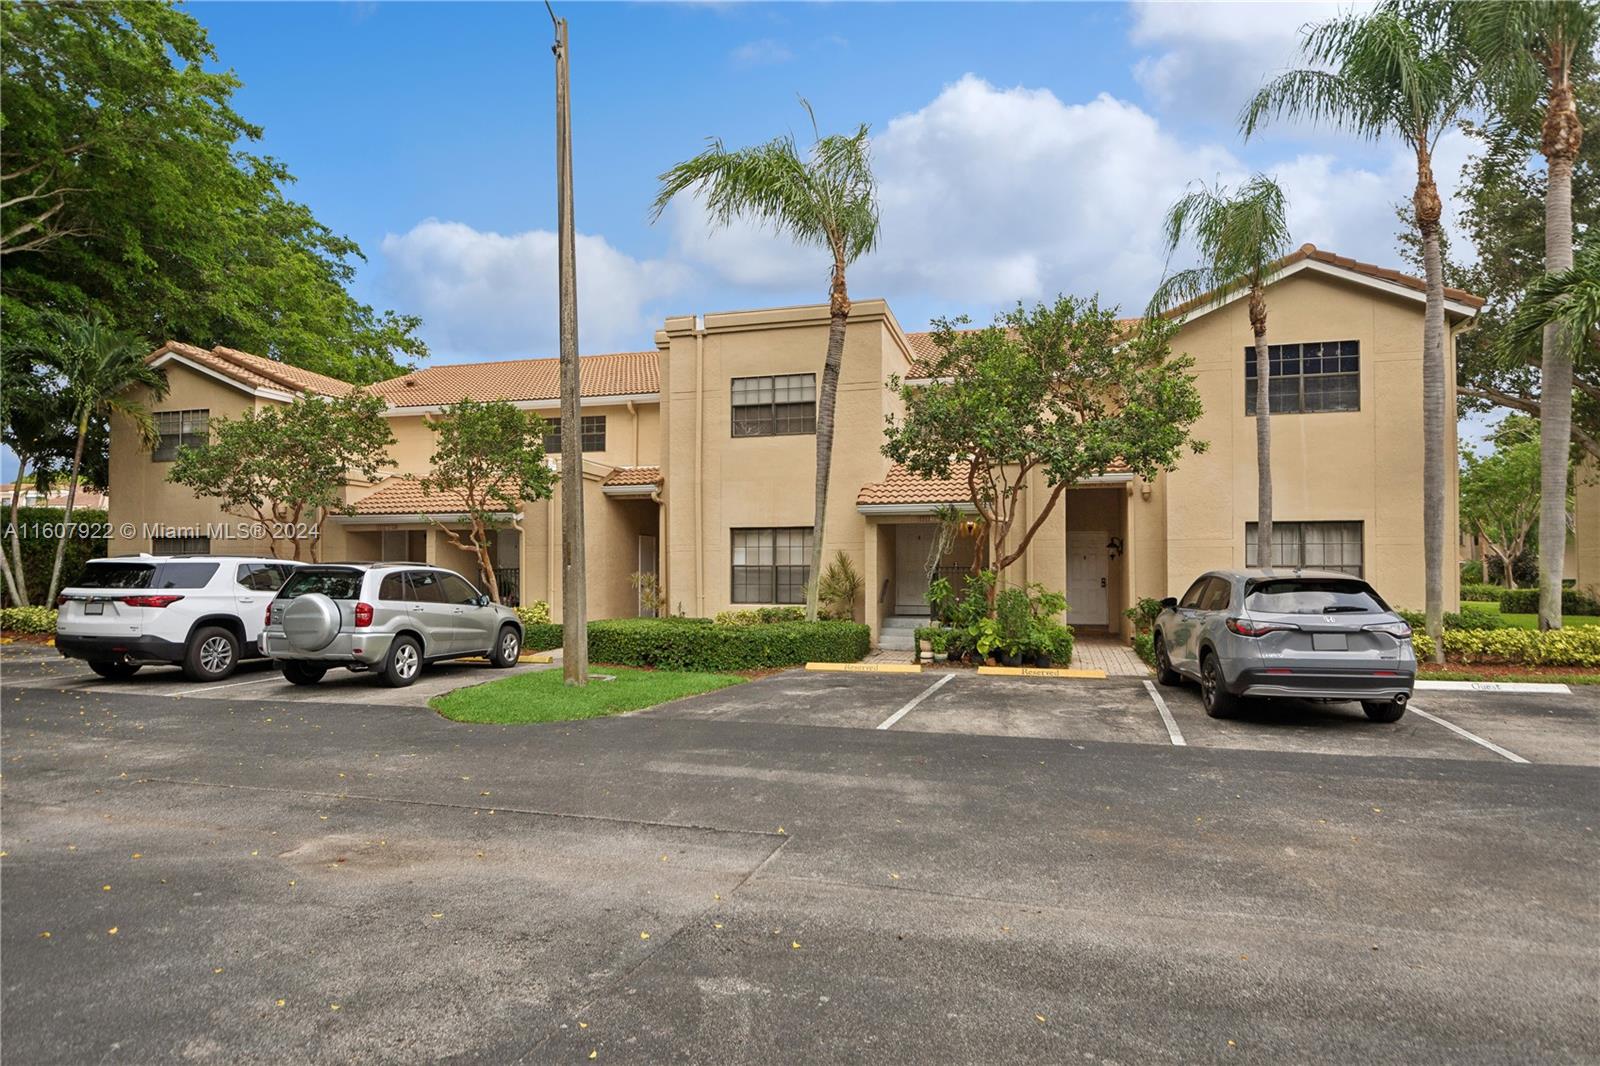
1307	634
389	618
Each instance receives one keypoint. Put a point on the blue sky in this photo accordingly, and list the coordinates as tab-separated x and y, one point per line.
1022	149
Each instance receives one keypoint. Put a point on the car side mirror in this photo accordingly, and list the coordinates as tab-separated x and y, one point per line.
1168	602
483	599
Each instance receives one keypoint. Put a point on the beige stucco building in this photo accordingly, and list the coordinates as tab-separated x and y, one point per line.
700	456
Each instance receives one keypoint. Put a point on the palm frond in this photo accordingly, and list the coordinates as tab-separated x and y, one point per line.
1570	301
1240	234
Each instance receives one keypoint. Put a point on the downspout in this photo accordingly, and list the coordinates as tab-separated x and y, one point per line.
699	453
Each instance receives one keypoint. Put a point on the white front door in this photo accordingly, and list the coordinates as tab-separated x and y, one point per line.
911	547
1086	578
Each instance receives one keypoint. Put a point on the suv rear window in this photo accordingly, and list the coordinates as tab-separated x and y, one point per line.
335	583
183	575
1310	595
115	575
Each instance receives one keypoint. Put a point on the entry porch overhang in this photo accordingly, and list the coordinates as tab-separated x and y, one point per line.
905	493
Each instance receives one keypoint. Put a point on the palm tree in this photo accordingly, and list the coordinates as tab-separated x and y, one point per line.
1240	237
1381	75
826	199
97	368
1527	50
1569	303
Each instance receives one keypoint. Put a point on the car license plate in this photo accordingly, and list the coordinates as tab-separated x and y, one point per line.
1330	642
94	607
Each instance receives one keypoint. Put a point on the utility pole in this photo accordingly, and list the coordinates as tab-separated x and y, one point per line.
574	600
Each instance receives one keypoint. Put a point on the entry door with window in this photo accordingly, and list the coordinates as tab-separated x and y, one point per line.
911	547
1086	579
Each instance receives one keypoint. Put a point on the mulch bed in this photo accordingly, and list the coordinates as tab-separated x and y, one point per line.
11	636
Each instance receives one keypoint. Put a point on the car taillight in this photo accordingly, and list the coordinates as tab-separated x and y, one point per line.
268	620
1394	629
1249	627
363	615
61	600
151	601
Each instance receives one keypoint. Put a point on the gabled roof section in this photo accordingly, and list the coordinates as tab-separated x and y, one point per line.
622	374
404	495
252	373
634	475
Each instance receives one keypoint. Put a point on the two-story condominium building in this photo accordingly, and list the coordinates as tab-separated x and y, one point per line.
699	460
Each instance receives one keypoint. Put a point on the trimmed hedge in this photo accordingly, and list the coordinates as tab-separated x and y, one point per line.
1526	601
540	636
39	552
1572	646
1478	593
534	614
692	644
28	619
760	616
1418	621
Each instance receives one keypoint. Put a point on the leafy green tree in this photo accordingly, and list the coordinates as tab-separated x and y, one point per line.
286	466
127	195
1404	74
1500	492
491	457
1058	391
826	199
95	368
1240	237
1527	51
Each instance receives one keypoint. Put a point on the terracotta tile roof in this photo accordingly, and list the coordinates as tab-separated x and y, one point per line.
634	475
902	486
404	495
255	371
621	374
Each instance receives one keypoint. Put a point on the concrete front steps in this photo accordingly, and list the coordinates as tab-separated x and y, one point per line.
899	632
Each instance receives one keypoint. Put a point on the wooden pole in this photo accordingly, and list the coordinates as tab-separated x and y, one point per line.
574	603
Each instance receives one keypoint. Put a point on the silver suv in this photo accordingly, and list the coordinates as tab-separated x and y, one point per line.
389	618
1308	634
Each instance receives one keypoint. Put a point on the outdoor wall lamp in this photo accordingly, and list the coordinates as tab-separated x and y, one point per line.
1114	547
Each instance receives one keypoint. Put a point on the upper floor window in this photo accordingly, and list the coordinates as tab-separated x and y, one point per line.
591	432
775	406
180	546
180	429
1307	378
1313	545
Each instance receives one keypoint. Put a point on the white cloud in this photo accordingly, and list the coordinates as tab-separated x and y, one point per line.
1206	60
488	295
762	53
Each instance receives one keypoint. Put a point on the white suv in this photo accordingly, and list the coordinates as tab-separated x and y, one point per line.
201	612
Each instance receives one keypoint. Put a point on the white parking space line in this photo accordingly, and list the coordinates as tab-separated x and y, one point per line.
201	693
1475	738
918	698
1166	717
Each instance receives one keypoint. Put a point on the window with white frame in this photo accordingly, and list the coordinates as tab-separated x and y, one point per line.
1312	545
1307	378
774	406
180	429
771	565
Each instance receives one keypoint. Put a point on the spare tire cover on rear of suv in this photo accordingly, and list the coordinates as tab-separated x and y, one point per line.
310	622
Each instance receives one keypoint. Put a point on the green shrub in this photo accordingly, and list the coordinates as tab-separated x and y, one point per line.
1143	614
840	585
690	644
1573	646
1452	620
1471	572
1011	612
28	619
540	636
1526	601
1478	593
758	616
38	552
1144	646
535	613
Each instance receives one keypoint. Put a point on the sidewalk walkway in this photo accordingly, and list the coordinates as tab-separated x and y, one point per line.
1110	654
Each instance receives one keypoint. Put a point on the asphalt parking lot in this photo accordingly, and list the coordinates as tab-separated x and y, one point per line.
1535	727
1029	870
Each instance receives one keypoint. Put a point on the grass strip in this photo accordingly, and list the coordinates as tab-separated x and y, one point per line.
541	695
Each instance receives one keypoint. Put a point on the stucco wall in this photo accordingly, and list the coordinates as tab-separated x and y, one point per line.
1586	525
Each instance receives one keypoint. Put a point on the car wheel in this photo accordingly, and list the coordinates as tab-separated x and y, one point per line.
402	664
212	654
114	669
303	673
507	647
1384	710
1165	674
1218	701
